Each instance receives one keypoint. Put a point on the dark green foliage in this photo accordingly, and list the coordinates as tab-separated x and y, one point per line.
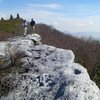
18	16
11	17
2	19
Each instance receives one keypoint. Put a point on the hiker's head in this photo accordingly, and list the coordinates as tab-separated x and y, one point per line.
32	19
24	20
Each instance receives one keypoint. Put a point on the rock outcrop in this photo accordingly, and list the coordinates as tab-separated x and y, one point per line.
16	48
45	73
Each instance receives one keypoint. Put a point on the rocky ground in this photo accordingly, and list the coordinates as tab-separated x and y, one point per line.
30	70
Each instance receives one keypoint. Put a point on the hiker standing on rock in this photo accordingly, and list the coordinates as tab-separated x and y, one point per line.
25	27
32	23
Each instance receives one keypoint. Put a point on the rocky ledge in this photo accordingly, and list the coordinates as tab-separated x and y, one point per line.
42	72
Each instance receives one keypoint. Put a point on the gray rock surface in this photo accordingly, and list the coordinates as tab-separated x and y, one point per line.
50	74
17	48
4	55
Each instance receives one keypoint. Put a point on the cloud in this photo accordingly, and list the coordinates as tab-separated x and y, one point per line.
81	24
90	22
61	21
55	23
41	15
48	6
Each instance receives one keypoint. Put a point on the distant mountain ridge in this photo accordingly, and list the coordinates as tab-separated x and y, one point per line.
94	35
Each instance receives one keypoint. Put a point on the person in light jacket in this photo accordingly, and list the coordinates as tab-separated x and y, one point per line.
25	27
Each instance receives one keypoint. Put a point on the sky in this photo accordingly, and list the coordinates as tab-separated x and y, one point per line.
65	15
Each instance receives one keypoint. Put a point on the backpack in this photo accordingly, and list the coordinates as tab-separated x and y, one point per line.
32	23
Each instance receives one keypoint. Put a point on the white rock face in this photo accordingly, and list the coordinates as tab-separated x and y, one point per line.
51	74
4	55
17	48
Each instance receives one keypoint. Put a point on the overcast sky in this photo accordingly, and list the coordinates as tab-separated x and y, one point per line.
65	15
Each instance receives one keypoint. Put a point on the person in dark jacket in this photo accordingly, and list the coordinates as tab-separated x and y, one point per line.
32	23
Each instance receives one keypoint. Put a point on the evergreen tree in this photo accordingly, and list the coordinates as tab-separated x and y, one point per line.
11	17
18	16
2	19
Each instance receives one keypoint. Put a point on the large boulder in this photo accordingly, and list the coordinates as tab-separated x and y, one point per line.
4	55
51	74
16	48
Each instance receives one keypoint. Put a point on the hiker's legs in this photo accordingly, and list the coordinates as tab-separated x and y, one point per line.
25	31
33	29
